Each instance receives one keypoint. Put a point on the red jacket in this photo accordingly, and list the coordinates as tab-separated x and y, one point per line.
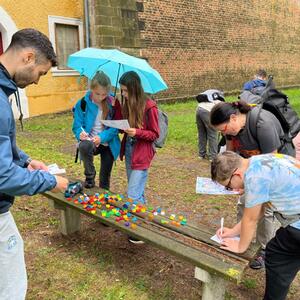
143	150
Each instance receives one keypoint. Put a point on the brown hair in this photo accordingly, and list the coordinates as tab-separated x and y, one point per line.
133	108
101	79
224	164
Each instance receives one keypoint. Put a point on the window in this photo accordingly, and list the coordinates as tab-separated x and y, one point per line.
66	35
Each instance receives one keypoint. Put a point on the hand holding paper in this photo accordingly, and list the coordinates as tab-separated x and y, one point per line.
119	124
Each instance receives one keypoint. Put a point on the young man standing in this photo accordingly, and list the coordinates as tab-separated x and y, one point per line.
269	180
29	56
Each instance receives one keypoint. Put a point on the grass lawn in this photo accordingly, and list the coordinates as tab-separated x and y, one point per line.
98	262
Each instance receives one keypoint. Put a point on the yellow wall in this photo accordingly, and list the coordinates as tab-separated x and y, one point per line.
52	94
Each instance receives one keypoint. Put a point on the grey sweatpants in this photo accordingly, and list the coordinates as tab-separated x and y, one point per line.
266	227
13	277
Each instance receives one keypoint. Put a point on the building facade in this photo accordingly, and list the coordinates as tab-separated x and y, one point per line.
196	45
63	22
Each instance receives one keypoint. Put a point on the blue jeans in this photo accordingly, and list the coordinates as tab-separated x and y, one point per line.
136	178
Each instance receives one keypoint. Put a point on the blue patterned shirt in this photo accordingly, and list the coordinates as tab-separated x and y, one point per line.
274	178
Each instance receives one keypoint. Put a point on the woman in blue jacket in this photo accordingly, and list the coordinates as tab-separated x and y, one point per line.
95	138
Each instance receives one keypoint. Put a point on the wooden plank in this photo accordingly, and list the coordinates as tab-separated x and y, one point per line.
202	234
227	270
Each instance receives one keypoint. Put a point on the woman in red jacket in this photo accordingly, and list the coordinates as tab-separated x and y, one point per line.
137	143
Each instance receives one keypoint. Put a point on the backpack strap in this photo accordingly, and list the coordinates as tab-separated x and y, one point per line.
83	104
253	120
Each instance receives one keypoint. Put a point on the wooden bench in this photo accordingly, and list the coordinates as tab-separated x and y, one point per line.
213	266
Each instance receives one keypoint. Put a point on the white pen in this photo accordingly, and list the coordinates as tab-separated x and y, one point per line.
82	129
222	225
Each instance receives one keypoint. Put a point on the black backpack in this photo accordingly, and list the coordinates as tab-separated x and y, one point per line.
278	104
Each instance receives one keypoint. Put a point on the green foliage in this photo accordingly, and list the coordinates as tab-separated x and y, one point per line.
250	283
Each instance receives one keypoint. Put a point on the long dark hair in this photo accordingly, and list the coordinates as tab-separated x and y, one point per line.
222	111
133	108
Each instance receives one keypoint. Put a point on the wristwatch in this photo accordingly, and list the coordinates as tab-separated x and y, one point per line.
27	163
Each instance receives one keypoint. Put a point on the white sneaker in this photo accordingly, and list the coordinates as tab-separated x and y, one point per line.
135	241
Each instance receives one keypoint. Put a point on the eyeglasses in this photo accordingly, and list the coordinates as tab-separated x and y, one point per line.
227	187
225	128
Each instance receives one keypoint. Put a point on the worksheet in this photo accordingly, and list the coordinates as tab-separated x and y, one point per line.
119	124
216	239
55	170
205	185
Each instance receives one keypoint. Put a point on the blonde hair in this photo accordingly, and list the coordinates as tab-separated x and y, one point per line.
101	79
224	164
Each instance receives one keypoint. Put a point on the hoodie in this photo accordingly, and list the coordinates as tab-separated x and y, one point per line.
15	179
143	150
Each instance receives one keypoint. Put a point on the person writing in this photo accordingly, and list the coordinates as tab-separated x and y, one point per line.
269	180
95	138
249	131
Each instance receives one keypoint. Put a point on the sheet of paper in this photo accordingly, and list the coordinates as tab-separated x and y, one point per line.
205	185
120	124
55	170
219	241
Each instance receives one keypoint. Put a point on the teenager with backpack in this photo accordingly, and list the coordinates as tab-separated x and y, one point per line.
251	131
269	180
258	83
95	138
137	143
206	133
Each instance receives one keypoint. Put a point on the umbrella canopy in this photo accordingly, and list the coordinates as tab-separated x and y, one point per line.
114	63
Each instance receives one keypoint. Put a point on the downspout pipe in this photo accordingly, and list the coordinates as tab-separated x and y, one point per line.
87	23
87	29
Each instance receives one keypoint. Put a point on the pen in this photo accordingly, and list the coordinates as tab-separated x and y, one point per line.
222	225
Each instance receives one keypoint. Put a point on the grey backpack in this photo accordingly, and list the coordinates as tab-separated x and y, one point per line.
163	123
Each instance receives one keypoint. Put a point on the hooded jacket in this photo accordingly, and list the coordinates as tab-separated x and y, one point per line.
85	120
15	179
143	149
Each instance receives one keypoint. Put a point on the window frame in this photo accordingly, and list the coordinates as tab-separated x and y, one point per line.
52	20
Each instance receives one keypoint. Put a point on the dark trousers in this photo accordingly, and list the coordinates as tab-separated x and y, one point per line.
282	262
88	150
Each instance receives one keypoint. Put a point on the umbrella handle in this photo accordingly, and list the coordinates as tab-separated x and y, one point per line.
117	80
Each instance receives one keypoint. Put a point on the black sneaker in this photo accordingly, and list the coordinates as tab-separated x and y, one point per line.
89	183
259	261
135	241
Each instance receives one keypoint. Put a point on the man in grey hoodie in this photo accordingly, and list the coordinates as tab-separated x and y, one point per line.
29	56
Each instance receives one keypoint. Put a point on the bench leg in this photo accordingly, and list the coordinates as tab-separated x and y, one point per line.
213	286
69	218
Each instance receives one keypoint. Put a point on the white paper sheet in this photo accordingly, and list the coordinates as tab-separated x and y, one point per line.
120	124
205	185
55	170
216	239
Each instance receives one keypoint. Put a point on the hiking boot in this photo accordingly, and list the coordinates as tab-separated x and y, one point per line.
89	183
259	261
135	241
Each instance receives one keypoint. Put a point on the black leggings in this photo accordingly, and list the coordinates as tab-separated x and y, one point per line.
87	150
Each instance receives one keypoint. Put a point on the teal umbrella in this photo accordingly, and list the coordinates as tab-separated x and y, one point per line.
114	63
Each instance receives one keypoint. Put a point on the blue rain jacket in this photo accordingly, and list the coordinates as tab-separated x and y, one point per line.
87	119
15	179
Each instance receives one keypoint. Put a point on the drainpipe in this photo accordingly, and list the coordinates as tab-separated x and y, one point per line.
87	29
87	22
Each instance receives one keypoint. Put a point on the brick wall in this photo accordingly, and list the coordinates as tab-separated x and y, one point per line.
197	45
